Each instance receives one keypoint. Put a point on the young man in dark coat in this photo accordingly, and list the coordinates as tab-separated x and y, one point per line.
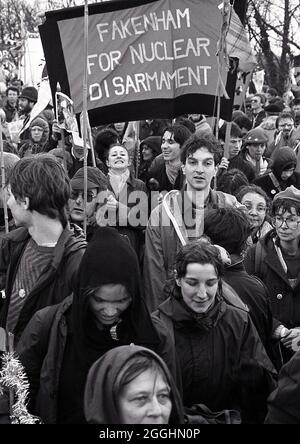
41	258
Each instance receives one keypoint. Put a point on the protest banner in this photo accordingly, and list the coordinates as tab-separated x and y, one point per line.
145	58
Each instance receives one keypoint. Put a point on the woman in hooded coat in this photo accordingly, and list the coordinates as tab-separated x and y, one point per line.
106	310
282	174
222	360
113	378
39	136
149	149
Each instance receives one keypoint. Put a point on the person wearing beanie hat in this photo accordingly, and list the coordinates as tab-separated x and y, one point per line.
149	149
96	183
282	173
250	160
128	372
276	261
38	137
254	147
27	99
105	311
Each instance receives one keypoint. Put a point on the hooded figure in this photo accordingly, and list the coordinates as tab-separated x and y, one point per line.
74	334
149	149
38	137
103	388
282	174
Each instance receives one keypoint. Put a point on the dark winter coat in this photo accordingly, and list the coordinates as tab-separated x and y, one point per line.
285	300
284	402
54	285
255	295
42	348
222	360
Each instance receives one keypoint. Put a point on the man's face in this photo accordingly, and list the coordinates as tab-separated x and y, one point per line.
12	97
18	208
256	150
286	126
76	204
199	169
25	106
296	109
256	103
287	224
235	144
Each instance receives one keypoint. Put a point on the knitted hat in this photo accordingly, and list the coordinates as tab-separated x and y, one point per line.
30	93
153	142
274	108
291	193
256	135
95	179
284	158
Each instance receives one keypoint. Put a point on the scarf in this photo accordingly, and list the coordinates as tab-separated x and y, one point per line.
118	181
172	170
263	164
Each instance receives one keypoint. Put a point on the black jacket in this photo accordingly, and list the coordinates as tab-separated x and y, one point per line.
255	295
285	300
42	350
222	360
284	402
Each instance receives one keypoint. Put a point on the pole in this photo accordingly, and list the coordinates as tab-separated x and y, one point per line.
3	180
137	152
84	107
61	142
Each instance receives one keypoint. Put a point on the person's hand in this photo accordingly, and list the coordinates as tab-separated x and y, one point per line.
292	340
224	163
55	130
112	202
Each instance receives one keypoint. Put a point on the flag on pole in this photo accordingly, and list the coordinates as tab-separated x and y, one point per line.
238	44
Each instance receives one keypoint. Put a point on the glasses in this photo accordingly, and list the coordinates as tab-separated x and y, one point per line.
76	194
291	222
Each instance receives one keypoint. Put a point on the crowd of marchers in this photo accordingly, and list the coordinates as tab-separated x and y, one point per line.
174	293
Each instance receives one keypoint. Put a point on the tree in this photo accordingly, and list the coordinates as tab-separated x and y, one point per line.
273	26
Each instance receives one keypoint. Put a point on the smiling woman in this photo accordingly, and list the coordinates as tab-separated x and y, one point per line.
222	360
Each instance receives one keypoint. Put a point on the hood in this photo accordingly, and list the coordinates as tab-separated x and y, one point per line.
110	259
176	309
153	142
102	388
284	158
